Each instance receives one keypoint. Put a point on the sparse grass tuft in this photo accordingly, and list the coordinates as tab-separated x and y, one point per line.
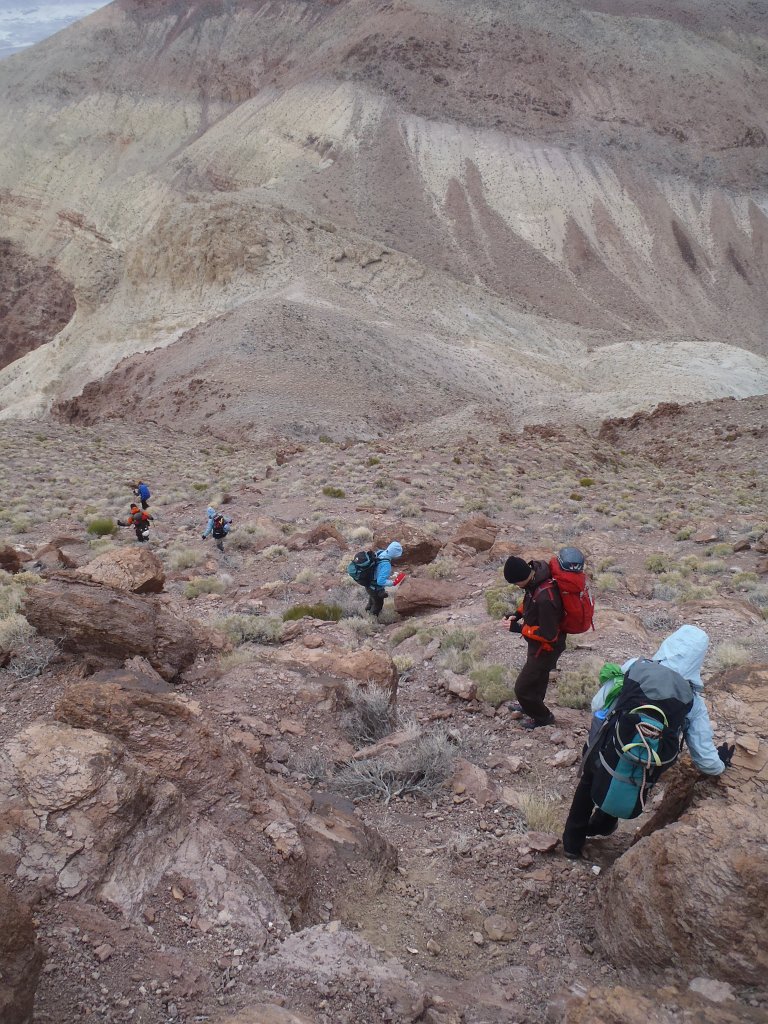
321	610
257	629
728	655
607	581
186	558
403	662
203	585
658	563
275	551
541	811
334	492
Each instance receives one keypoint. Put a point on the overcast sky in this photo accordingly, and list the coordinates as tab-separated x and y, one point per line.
22	24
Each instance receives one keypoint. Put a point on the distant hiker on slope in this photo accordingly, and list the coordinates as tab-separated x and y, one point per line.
218	527
638	723
140	521
373	570
556	602
142	493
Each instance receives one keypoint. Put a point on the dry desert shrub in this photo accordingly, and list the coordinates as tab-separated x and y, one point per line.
728	655
442	568
359	626
420	767
186	558
370	715
203	585
256	629
275	551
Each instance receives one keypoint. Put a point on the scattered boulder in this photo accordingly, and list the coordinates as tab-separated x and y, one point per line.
502	549
707	533
268	1013
478	532
20	960
315	536
415	596
92	619
472	781
135	569
460	686
364	666
761	544
499	928
63	553
419	547
10	559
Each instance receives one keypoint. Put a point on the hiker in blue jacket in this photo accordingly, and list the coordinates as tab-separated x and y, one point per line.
382	574
682	652
142	493
218	526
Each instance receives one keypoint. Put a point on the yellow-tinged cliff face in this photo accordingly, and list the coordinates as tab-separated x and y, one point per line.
449	202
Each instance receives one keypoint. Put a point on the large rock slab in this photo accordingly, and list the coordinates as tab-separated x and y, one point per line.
90	618
11	560
363	666
664	1006
478	532
415	596
134	569
317	535
20	960
704	875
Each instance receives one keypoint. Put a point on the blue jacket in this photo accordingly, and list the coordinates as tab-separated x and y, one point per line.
684	652
143	492
384	565
212	513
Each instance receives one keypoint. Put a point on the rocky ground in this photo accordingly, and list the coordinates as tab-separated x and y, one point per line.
188	797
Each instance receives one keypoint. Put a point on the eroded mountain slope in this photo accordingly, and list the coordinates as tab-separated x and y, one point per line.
594	174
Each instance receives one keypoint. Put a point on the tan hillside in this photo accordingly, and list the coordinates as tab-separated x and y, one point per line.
461	203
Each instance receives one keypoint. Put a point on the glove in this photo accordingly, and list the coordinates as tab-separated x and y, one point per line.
205	536
725	753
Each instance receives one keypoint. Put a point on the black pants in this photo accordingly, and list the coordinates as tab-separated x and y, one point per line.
144	504
142	534
531	685
582	818
376	597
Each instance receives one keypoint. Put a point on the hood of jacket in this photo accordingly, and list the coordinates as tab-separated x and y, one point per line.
393	550
541	572
210	511
684	652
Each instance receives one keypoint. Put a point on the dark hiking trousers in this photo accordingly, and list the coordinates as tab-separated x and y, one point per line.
376	597
583	819
144	504
531	685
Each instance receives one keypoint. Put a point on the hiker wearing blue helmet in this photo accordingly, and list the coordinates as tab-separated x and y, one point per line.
382	575
639	720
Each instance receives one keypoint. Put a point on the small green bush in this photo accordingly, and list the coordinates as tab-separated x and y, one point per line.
719	550
575	689
186	558
493	684
501	600
102	527
373	460
403	662
334	492
576	496
658	563
321	610
586	481
275	551
607	581
685	534
714	567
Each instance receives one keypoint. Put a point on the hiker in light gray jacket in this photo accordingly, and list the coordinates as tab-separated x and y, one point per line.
683	652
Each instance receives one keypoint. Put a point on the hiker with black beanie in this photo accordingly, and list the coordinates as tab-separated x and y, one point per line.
537	619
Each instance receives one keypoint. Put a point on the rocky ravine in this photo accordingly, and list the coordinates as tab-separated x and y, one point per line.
194	848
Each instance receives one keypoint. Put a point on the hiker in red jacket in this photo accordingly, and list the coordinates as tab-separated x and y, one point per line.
538	618
139	521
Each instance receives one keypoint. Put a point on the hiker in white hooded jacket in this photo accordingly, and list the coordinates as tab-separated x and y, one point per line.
682	652
377	589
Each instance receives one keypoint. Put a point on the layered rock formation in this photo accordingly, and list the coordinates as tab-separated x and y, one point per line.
458	198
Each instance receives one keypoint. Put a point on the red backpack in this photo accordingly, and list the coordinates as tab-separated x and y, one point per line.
578	605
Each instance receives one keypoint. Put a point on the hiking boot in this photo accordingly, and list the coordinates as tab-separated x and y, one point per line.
598	827
573	854
515	711
533	724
